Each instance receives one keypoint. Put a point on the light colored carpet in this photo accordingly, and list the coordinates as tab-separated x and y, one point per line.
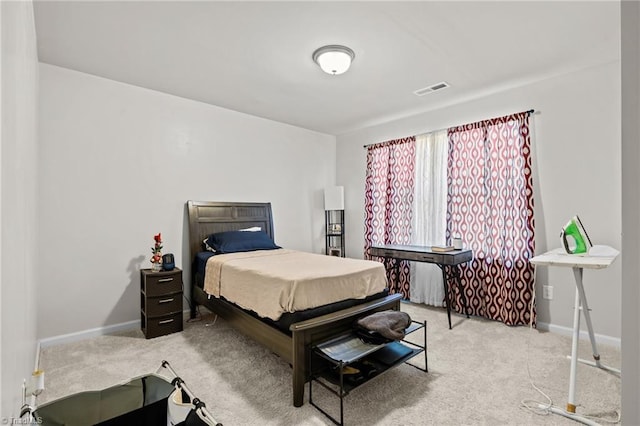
478	375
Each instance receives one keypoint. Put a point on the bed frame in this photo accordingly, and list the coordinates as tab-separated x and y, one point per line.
205	218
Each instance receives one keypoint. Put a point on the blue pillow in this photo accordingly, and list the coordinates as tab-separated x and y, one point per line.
240	241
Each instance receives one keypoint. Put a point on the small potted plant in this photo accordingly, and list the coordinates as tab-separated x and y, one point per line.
156	250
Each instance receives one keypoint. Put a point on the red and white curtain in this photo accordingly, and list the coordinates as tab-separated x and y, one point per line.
389	187
490	204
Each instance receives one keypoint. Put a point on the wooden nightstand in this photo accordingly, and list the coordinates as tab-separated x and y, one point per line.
160	302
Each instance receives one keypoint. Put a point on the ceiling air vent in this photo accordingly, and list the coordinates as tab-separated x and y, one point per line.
432	88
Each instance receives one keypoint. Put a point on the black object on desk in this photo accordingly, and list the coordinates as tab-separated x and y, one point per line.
442	259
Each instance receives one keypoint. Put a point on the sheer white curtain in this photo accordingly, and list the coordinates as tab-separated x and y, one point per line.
429	223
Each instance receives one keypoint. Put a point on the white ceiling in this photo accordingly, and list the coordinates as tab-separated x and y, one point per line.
255	57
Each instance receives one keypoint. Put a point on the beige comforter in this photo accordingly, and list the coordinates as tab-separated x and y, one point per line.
271	282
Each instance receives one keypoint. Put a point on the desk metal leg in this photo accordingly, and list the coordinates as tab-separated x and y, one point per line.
447	299
456	276
392	265
397	268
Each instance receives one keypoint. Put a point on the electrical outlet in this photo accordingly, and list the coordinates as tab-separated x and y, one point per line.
547	292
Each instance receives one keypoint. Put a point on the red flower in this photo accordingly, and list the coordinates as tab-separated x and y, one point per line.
157	249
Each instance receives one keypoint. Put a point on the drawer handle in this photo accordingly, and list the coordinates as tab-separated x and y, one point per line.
165	280
165	321
165	300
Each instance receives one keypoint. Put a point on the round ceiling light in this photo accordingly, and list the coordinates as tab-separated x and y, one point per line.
334	59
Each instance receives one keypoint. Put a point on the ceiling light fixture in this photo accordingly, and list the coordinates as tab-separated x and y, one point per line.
334	59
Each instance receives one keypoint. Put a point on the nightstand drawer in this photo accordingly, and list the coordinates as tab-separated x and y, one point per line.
163	305
160	283
162	325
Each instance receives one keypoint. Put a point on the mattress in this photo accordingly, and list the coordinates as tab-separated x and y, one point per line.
276	282
288	318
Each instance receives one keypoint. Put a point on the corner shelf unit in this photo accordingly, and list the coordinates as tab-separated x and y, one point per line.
333	360
334	232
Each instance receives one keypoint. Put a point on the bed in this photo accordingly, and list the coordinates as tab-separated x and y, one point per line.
293	341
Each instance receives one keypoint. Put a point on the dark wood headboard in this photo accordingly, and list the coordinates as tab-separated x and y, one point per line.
208	217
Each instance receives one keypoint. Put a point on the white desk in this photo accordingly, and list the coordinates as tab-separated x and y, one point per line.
599	257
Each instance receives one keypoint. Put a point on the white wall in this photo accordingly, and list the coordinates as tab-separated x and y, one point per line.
630	212
18	202
118	164
576	153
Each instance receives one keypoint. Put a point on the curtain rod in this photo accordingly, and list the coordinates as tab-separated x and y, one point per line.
531	111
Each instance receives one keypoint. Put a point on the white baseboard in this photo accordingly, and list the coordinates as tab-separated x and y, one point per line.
131	325
87	334
584	334
92	332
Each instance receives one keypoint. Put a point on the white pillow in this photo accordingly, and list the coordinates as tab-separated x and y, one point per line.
206	246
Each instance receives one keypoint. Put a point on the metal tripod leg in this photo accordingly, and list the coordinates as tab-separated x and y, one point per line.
581	305
587	317
571	407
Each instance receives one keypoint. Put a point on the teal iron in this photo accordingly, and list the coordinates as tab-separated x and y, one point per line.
575	238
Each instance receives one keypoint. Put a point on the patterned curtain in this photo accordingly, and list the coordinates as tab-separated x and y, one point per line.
389	187
490	204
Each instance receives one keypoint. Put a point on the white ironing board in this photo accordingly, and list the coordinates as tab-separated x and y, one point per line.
599	257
